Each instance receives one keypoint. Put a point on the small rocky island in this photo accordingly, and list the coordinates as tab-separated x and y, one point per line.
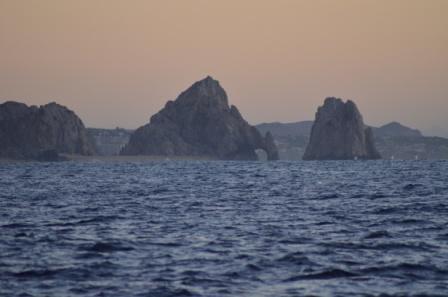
200	123
339	133
31	132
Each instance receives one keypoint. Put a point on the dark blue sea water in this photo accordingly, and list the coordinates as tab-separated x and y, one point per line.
198	228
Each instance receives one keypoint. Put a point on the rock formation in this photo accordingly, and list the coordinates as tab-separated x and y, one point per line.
339	133
41	132
200	123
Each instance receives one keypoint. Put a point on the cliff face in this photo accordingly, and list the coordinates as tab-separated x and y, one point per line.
339	133
31	132
200	123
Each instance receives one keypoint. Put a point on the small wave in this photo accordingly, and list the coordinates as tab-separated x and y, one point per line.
88	255
408	221
377	234
233	274
386	246
159	190
96	219
242	256
105	247
406	271
36	273
25	295
253	267
25	176
164	291
195	280
168	244
199	281
23	234
386	210
410	187
328	196
377	196
259	175
328	274
301	240
419	246
192	272
16	225
357	196
443	236
296	258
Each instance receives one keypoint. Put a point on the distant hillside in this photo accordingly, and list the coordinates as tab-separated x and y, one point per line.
287	129
409	148
291	138
109	142
395	129
393	140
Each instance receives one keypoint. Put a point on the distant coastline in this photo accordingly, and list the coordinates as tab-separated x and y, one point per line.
114	158
135	158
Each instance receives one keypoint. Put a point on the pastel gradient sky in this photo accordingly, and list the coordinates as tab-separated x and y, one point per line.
115	63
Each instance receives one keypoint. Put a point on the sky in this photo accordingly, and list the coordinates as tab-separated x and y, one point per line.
116	63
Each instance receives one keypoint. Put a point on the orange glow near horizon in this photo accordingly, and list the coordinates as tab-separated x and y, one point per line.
115	63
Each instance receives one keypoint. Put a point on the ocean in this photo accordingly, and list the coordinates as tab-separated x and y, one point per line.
212	228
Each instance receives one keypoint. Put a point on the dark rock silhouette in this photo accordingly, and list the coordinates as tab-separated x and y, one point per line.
339	133
41	133
200	123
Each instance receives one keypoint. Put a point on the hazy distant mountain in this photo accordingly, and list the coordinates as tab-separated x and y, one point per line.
409	148
396	129
392	140
291	138
287	129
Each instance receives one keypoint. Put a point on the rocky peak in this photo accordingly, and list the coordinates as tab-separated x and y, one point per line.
337	107
207	91
208	86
